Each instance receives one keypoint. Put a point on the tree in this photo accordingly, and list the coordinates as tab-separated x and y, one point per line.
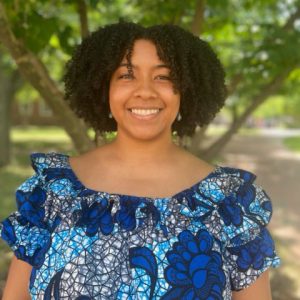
31	67
10	81
253	39
264	44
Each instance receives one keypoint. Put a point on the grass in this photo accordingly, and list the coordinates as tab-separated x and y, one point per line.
45	134
215	130
292	143
24	141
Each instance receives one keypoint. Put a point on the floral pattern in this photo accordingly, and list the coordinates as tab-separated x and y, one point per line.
30	243
195	270
142	257
94	217
126	216
254	252
30	205
62	173
231	211
202	243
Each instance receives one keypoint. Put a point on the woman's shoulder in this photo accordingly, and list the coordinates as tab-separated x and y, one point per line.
234	195
54	173
44	160
225	178
240	206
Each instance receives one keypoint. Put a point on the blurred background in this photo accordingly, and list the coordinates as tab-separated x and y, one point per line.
258	129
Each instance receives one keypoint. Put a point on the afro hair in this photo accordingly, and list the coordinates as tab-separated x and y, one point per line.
195	70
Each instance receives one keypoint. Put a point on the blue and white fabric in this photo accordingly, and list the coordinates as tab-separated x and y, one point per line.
202	243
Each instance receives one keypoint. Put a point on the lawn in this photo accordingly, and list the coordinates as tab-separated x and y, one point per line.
25	141
293	143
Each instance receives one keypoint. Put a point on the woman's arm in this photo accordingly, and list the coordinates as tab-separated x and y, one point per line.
17	283
259	290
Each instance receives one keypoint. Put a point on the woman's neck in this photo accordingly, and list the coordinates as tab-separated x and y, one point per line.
133	152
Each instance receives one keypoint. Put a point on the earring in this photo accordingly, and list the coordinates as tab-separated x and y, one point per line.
110	115
178	118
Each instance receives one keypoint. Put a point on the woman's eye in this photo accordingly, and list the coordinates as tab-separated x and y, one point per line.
163	77
129	76
125	76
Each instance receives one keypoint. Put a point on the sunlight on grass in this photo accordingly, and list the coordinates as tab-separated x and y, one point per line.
293	143
34	133
58	134
10	178
215	130
25	140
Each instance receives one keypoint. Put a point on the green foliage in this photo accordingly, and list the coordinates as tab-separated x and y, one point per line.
252	42
274	107
26	94
249	36
31	23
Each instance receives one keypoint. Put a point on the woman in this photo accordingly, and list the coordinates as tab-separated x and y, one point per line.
140	217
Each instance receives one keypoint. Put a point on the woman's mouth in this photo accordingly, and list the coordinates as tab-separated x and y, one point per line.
144	114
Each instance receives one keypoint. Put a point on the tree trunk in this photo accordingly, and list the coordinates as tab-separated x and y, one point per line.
83	18
198	21
35	72
196	27
4	122
213	150
9	84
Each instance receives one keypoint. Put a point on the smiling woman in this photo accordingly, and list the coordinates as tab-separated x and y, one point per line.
140	217
141	95
189	63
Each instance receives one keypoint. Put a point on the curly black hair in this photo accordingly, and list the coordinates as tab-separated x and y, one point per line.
195	71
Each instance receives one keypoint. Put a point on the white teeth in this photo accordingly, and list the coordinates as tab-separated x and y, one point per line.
145	112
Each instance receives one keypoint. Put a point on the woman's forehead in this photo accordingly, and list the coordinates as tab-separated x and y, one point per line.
134	66
142	52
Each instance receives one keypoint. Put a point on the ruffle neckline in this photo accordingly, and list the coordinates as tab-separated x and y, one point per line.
66	160
98	209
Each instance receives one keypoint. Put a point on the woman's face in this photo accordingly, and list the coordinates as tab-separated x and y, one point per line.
144	105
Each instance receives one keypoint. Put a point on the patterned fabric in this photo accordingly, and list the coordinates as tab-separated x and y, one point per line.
202	243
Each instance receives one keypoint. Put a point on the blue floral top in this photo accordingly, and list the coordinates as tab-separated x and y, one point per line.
202	243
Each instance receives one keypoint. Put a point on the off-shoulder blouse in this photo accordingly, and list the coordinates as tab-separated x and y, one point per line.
202	243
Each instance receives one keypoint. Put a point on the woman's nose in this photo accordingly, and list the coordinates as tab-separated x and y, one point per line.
145	88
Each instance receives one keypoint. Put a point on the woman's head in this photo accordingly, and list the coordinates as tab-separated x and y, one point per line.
142	98
195	71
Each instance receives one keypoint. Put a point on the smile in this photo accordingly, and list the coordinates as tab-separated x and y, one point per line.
144	114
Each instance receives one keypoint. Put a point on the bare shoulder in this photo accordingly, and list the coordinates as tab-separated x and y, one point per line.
195	166
85	161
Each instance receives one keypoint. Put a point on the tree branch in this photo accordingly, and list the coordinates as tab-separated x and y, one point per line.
237	78
293	17
198	21
235	81
82	12
268	90
35	72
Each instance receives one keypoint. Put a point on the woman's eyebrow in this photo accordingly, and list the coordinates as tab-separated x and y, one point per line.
160	66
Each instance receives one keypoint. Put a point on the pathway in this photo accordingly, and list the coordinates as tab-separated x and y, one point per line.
278	172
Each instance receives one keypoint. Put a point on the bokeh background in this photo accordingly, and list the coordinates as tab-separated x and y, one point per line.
258	129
